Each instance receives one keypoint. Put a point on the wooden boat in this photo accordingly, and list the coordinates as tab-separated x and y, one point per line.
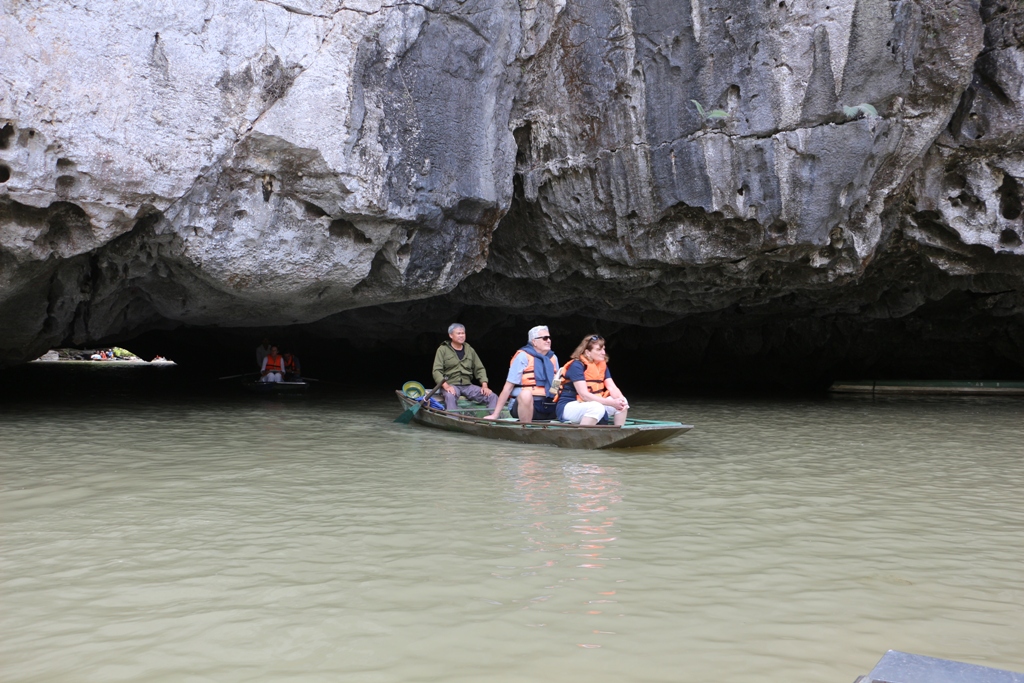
633	433
937	387
276	388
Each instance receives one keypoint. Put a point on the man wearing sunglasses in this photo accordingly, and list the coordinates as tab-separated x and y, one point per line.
531	375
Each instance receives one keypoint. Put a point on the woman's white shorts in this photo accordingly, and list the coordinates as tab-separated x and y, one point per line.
577	410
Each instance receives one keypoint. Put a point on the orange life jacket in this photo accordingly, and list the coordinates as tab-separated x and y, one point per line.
593	375
529	380
289	363
275	363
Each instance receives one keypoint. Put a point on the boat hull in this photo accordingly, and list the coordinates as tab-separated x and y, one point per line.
634	433
932	387
276	387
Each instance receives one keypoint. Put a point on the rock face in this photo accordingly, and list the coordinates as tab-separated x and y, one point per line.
652	163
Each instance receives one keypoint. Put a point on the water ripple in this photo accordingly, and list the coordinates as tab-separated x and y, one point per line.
316	540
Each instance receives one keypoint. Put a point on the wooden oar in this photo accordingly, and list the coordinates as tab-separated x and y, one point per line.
410	412
244	374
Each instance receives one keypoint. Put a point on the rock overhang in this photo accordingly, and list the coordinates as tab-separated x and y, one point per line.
546	158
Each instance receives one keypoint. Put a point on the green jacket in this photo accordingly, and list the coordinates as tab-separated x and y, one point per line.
447	363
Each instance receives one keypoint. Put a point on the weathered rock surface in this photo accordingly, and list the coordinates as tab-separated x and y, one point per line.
237	163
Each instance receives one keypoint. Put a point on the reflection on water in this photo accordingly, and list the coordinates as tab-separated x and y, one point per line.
563	511
250	539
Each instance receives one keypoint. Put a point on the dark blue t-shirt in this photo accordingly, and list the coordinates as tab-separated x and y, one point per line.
574	373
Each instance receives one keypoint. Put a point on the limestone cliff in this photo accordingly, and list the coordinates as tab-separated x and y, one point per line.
237	163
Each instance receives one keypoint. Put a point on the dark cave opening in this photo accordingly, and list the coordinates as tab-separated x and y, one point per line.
1009	198
6	133
379	348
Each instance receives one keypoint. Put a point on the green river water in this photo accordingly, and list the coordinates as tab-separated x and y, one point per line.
223	537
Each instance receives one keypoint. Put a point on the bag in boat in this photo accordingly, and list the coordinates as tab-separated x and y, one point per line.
433	403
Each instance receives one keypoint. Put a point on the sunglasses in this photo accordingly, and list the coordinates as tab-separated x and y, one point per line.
594	338
545	338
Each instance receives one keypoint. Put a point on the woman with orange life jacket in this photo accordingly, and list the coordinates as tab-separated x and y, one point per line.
292	368
273	367
588	395
531	375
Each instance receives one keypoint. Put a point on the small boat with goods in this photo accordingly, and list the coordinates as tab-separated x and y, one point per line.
470	421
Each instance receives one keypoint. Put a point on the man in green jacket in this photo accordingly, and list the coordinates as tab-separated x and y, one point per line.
456	365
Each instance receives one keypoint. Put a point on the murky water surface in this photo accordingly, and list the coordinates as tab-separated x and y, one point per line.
228	539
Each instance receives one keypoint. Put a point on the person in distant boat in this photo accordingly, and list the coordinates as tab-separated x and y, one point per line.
531	377
456	365
273	367
261	352
588	395
292	368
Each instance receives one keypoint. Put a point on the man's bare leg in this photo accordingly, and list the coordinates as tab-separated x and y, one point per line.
525	408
